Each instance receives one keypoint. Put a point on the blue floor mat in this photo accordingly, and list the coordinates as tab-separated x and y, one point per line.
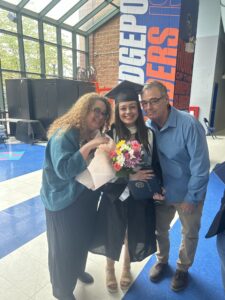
205	277
20	224
30	159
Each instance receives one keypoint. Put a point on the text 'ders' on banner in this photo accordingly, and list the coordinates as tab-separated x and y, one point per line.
149	32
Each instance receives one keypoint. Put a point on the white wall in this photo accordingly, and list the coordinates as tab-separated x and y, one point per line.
205	56
220	70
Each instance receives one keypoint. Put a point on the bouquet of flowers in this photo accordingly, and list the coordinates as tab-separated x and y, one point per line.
126	157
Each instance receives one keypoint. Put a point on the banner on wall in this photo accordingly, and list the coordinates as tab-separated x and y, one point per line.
150	31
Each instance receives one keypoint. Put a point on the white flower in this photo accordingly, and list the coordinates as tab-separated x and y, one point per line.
120	159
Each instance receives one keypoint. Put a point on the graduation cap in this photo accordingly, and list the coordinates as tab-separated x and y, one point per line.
125	91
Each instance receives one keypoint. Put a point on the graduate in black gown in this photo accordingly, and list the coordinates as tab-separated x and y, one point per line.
121	218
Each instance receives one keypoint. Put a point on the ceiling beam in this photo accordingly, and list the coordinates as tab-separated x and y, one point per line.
22	4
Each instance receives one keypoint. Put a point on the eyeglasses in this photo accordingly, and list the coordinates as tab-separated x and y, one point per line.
152	101
98	113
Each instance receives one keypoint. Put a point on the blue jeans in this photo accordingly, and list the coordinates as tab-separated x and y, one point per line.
221	250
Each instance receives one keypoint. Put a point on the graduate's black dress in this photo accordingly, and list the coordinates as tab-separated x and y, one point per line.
115	217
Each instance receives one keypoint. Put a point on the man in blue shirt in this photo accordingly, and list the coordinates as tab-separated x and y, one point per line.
184	159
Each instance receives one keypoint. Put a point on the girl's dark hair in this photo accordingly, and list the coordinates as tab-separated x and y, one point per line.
123	132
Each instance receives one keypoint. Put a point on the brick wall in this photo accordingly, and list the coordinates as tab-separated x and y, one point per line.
104	52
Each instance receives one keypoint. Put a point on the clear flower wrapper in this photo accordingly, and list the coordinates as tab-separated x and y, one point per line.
100	170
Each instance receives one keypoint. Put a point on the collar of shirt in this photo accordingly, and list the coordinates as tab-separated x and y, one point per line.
171	121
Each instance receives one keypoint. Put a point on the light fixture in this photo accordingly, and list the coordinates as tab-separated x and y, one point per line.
12	17
190	45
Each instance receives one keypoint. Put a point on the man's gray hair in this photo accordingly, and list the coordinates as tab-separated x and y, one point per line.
155	84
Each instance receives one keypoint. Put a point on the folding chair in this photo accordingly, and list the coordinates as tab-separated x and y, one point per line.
210	130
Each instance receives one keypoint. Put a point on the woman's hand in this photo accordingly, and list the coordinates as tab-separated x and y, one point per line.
142	175
92	144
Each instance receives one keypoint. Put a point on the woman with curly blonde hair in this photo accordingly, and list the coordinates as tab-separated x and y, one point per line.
70	206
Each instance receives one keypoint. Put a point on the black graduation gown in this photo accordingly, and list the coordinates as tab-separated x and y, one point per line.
114	217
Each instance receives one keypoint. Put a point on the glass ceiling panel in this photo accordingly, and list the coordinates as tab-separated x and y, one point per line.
117	2
64	6
61	8
14	1
98	17
83	11
37	5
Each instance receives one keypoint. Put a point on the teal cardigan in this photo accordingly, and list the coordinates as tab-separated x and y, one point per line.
63	162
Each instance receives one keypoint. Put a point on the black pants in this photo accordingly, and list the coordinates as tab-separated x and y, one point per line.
69	232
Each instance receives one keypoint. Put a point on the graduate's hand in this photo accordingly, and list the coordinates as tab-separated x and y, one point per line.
160	197
142	175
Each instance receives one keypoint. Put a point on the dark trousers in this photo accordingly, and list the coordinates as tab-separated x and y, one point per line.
69	232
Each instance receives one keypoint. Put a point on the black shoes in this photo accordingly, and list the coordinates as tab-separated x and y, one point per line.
86	278
179	281
157	271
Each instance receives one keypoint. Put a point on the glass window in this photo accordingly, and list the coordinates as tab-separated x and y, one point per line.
67	63
66	38
14	1
30	27
50	76
61	8
51	60
8	20
117	2
36	76
32	56
81	59
83	11
37	6
49	33
9	52
80	42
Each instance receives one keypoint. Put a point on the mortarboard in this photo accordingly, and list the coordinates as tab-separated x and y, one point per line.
125	91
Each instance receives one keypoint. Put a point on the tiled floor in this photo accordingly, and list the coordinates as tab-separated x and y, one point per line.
24	272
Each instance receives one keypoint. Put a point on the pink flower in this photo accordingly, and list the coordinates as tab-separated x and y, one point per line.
135	146
117	167
112	154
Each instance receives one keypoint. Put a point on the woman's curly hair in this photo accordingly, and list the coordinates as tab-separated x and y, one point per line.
75	117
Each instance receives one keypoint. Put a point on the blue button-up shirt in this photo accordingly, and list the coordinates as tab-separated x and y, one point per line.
184	157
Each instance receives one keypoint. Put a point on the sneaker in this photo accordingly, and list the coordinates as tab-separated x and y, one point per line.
179	281
86	278
157	271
